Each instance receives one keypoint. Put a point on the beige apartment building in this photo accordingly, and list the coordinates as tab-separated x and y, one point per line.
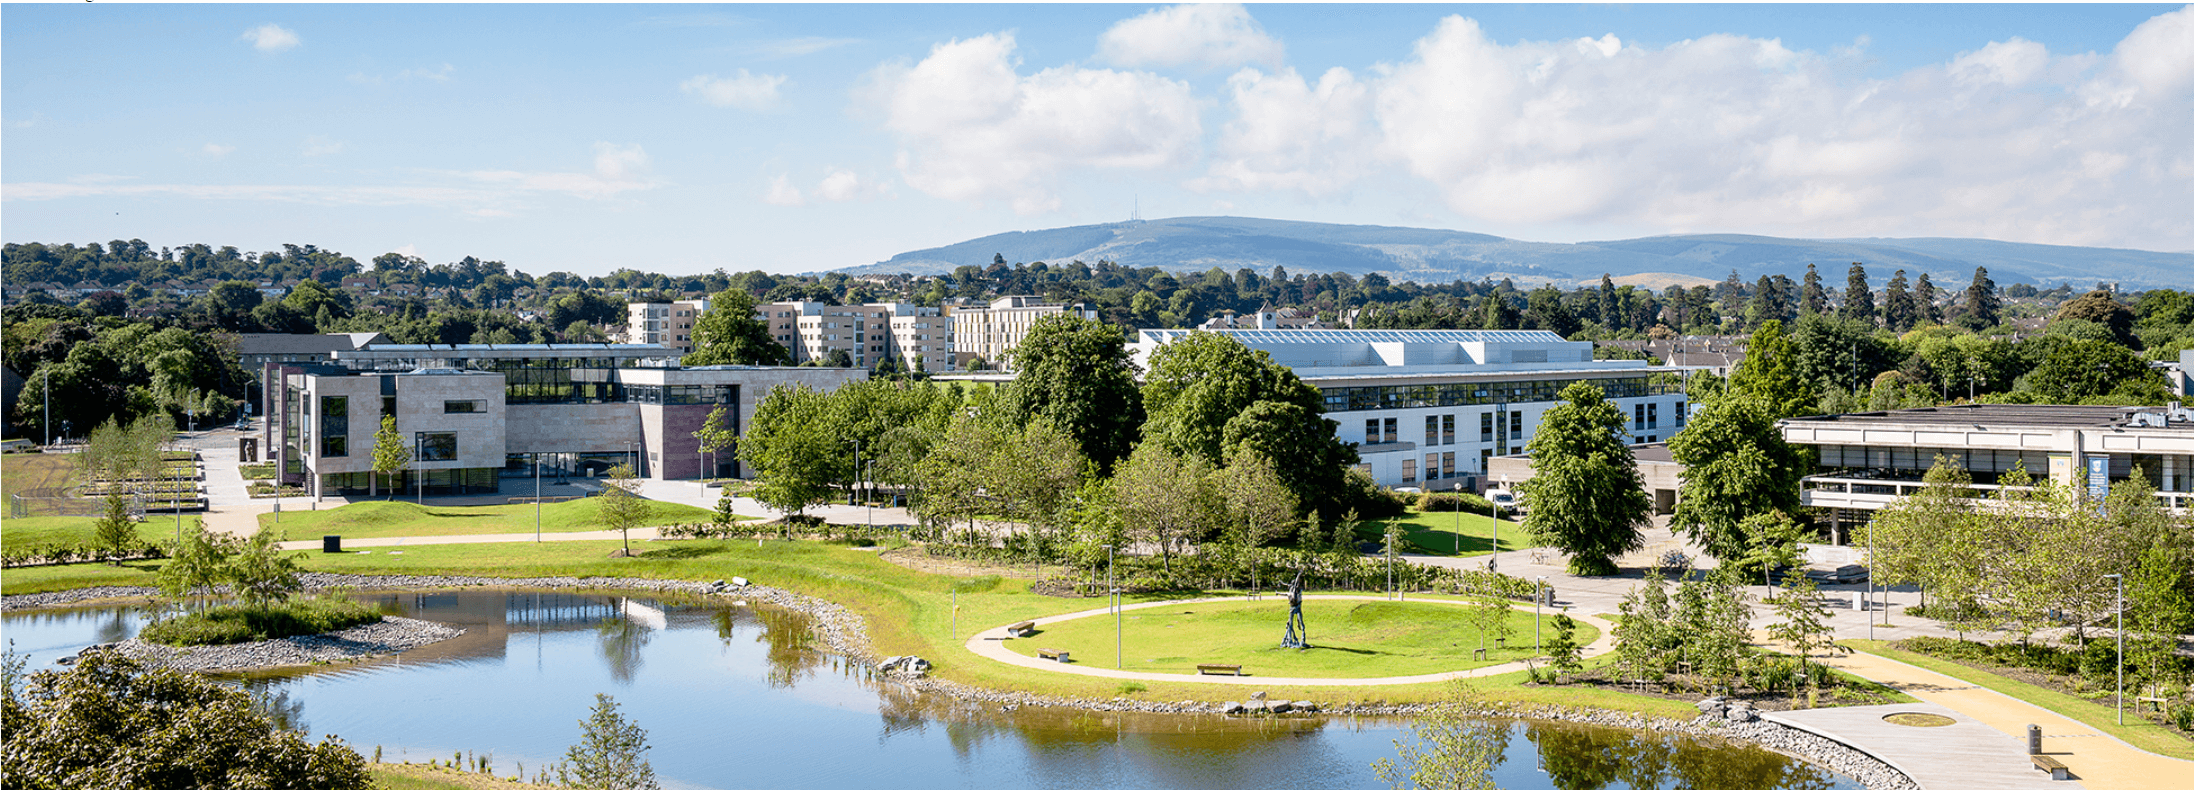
667	324
987	333
921	337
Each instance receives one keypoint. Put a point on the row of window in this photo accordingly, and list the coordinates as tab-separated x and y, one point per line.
1440	429
1412	396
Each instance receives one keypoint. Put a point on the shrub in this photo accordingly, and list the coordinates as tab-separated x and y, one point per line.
233	624
1448	503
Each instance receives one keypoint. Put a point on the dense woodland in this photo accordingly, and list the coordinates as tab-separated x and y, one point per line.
1907	343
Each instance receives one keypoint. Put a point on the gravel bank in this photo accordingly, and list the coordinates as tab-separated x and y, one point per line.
842	632
372	640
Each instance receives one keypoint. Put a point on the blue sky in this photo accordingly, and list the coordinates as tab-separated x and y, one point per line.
684	138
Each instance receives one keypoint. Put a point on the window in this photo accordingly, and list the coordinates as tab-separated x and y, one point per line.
388	405
1447	464
437	446
1653	415
1393	429
1409	470
1432	466
1432	430
1371	432
464	407
1485	427
1447	429
334	426
1679	414
1516	425
1638	417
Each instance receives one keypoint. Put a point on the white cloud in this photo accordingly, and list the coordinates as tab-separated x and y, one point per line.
783	193
972	128
2011	63
320	145
1210	35
1289	135
618	169
438	74
216	150
272	38
795	47
1730	132
742	90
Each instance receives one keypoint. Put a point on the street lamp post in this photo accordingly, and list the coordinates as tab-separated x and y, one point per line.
1869	581
1112	592
2121	644
536	497
867	501
1538	598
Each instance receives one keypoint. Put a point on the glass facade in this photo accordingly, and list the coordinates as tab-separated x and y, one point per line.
334	426
1912	463
682	394
1412	396
437	446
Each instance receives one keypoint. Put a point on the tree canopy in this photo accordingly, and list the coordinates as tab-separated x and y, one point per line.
1585	495
1736	466
1075	374
729	334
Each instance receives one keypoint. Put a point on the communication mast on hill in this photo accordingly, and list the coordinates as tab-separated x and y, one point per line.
1136	215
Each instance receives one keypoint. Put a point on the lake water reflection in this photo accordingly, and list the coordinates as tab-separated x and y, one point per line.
736	697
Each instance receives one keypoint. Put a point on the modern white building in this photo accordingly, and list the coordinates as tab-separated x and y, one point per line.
1870	459
1430	408
921	337
473	413
666	324
988	332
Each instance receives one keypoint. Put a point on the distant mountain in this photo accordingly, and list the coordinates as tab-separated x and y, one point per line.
1424	255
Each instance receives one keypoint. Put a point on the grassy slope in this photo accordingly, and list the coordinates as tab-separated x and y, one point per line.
406	519
908	612
23	471
2140	733
42	531
1352	638
1434	533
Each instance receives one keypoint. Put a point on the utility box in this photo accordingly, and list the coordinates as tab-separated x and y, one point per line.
331	544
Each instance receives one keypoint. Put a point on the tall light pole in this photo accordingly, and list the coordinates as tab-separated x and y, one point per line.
1538	598
1869	581
48	408
866	500
2121	643
1113	592
536	497
1493	560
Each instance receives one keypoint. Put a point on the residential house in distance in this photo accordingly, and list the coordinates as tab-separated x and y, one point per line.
1868	460
666	324
1475	394
987	333
1265	318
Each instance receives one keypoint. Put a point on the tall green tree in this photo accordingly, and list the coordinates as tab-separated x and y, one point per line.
793	450
1207	393
1812	298
1769	372
2102	308
1898	312
1858	298
1165	498
1586	496
1983	309
729	334
1924	309
1075	373
390	455
1735	466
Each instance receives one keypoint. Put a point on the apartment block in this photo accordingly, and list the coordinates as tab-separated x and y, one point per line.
988	332
666	324
868	333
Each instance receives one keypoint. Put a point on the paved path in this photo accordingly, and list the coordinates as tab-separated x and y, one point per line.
638	534
1967	755
2098	760
991	644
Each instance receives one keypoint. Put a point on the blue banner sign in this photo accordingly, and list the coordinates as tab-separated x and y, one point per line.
2098	477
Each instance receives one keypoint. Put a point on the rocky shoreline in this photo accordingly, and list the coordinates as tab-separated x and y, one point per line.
842	632
357	643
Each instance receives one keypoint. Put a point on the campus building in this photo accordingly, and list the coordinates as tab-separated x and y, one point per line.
988	332
471	414
920	337
1431	408
666	324
1869	460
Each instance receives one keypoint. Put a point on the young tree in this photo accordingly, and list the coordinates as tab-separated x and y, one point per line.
620	504
611	753
1488	614
1772	539
199	562
1256	506
390	455
1716	641
1800	624
1735	466
1562	651
1165	499
1455	747
259	573
1932	538
715	435
729	334
1585	493
108	722
2158	606
1076	374
1644	635
116	531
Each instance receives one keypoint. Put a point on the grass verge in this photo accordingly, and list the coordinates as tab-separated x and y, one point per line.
1435	533
2141	734
228	625
412	776
39	532
398	519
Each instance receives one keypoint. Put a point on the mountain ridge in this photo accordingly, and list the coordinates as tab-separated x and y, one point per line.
1184	244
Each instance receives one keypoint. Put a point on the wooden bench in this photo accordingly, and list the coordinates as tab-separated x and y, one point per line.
2154	703
1478	653
2043	762
1052	653
1215	669
1023	628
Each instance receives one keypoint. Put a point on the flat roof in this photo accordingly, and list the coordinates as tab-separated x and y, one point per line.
1989	414
1273	336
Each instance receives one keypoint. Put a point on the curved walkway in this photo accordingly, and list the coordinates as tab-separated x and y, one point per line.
990	644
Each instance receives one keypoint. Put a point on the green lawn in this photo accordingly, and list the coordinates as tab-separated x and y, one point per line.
20	472
907	612
1350	639
405	519
2101	716
43	531
1434	533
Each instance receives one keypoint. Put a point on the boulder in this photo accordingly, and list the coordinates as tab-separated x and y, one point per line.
1280	706
1257	695
1740	714
1306	707
617	553
1235	709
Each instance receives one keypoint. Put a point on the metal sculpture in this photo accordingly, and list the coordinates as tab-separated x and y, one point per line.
1298	632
